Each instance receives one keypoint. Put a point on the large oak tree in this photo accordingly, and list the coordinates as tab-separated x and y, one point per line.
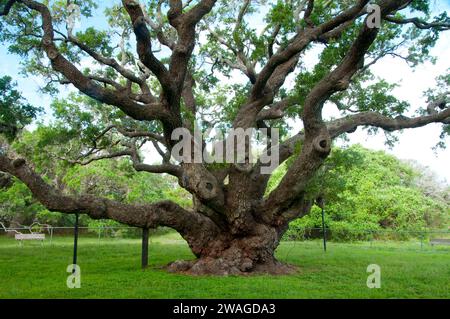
150	67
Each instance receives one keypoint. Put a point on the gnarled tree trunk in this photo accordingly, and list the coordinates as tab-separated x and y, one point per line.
236	254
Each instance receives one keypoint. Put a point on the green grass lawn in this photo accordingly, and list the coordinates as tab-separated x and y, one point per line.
110	269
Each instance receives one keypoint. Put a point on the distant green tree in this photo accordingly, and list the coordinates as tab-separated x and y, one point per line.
15	112
371	190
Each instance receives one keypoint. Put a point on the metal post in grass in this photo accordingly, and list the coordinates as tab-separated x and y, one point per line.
75	242
145	233
320	201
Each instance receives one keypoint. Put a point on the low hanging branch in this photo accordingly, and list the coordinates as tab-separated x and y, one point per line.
163	213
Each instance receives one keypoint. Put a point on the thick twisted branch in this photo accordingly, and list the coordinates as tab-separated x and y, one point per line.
164	213
84	84
352	122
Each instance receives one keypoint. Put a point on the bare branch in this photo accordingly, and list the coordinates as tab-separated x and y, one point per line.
272	40
99	157
185	25
107	61
138	165
193	16
352	122
299	43
421	24
159	169
163	38
144	47
243	64
276	110
83	83
134	134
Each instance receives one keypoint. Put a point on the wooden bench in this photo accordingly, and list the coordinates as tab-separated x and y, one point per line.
439	241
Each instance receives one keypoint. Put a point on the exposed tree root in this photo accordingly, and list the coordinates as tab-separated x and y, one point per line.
223	267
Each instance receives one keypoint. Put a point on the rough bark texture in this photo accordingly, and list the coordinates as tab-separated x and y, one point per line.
232	228
228	254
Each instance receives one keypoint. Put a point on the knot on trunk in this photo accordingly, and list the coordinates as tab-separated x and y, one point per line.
207	189
322	144
17	163
342	85
52	53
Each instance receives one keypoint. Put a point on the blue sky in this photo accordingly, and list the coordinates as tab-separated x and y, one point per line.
413	144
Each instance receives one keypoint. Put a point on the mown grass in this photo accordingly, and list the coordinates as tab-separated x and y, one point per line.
110	269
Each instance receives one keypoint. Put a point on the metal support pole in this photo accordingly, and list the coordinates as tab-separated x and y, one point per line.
144	260
75	243
324	231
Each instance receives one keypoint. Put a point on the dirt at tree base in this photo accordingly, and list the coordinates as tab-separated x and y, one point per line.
221	267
